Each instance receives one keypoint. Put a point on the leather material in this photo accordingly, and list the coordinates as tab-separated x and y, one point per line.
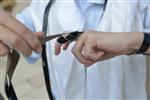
145	45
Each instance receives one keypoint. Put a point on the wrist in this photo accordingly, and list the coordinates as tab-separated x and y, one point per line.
144	49
135	41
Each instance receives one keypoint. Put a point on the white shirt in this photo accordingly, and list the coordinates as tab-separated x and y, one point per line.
96	74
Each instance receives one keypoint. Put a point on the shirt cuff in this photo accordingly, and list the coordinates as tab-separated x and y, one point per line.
33	58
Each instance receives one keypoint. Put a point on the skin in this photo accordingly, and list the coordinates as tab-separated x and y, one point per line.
90	47
93	46
15	35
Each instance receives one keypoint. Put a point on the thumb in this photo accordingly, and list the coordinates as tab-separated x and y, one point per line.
95	55
92	53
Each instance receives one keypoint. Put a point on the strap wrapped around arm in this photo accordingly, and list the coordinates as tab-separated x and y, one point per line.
146	44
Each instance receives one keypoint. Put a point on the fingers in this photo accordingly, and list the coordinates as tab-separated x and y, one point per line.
91	52
77	51
39	34
65	46
59	44
9	21
57	48
13	40
4	50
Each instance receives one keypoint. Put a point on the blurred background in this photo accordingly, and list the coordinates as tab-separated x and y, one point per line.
28	79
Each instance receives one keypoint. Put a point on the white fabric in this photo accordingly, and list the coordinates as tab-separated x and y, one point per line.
120	78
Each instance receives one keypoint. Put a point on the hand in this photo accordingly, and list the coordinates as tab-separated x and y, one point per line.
15	35
93	46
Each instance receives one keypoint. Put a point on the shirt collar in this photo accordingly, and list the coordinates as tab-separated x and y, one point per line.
96	1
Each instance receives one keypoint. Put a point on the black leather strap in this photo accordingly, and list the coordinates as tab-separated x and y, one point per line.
10	92
61	40
44	58
145	45
1	97
12	62
72	36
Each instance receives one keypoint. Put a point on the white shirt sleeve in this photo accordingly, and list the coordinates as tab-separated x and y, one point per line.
25	18
146	17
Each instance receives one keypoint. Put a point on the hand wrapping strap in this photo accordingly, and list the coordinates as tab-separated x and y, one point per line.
13	59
